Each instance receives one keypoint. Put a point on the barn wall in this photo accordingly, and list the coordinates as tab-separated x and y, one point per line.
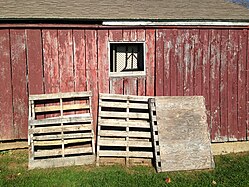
209	62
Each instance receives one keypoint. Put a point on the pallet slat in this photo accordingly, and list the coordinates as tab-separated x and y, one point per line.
65	136
125	134
77	119
124	115
39	97
61	162
129	143
59	142
130	123
136	154
124	105
142	99
55	152
65	107
64	128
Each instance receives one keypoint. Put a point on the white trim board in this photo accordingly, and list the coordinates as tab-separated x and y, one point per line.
174	23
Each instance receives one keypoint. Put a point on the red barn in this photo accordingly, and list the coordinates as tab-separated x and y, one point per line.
127	47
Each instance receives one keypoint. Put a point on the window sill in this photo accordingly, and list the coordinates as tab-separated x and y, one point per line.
128	74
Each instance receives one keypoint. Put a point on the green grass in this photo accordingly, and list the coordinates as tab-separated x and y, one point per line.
231	170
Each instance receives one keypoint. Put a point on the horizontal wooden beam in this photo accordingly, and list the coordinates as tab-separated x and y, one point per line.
55	152
60	162
58	120
124	97
64	128
64	107
136	154
60	95
119	123
113	104
129	143
13	145
124	115
65	136
59	142
132	134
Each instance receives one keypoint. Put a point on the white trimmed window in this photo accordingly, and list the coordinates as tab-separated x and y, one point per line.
127	59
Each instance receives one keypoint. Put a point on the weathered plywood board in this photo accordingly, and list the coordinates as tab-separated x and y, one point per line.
183	133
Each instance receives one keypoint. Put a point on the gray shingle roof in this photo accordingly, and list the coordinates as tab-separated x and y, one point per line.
123	10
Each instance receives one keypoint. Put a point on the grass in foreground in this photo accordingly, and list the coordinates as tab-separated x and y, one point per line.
231	170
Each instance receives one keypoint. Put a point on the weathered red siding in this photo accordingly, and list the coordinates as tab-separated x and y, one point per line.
184	61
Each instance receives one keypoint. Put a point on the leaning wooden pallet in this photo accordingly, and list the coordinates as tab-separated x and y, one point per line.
64	139
123	129
183	135
155	137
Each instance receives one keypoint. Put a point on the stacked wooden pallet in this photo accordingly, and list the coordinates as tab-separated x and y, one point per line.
60	130
124	133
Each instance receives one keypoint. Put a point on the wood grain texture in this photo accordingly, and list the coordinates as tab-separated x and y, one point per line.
242	84
168	47
215	40
198	59
141	84
247	86
103	61
159	62
173	64
141	35
130	86
19	83
92	71
180	63
6	105
188	62
206	74
65	52
79	48
183	133
34	60
223	87
51	61
116	85
232	86
116	35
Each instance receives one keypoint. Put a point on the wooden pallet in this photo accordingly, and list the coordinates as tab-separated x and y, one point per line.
155	137
184	140
60	130
123	129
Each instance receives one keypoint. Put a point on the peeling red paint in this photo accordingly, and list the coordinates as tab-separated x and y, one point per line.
179	61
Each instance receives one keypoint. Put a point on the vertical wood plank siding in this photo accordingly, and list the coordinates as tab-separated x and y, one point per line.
209	62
